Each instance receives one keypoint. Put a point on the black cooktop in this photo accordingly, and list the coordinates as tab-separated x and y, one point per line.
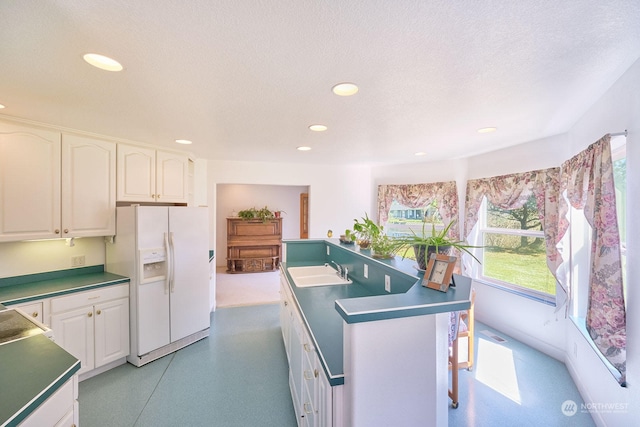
14	325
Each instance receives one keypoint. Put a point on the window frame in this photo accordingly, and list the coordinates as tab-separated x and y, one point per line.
515	288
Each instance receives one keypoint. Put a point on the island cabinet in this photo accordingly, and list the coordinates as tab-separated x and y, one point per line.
313	396
149	175
253	245
93	326
60	409
55	185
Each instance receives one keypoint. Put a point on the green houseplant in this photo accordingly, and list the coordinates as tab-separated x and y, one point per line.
263	214
371	234
425	243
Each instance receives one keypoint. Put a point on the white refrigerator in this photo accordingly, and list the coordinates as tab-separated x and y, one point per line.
164	250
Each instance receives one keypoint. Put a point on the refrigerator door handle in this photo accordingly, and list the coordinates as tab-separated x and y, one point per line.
168	264
172	259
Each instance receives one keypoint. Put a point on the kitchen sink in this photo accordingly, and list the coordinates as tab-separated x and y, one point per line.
316	275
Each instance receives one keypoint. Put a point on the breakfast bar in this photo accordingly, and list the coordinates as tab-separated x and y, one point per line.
381	340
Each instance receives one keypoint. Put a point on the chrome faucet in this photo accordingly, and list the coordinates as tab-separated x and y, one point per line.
339	267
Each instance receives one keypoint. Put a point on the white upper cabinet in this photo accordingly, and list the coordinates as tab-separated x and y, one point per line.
148	175
29	183
53	185
88	187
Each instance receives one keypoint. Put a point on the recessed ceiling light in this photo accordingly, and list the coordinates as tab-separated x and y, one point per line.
420	153
303	148
345	89
1	106
318	128
487	130
183	141
102	62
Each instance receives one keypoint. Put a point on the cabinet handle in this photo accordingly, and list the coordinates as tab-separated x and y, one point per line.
98	312
90	314
34	314
66	230
315	373
286	303
56	231
307	407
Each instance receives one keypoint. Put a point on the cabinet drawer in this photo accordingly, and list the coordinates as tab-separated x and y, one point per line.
83	299
33	309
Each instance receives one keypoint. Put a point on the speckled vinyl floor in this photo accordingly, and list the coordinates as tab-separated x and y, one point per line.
239	377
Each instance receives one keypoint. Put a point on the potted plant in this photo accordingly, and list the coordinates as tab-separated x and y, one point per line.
263	214
425	244
366	230
278	213
348	238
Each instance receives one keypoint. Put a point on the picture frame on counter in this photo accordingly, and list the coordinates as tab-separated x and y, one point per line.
439	272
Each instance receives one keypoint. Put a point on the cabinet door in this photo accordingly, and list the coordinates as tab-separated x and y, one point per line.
73	331
136	174
29	183
111	331
324	399
88	187
172	177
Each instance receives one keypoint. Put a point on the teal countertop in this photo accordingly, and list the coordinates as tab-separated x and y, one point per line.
326	308
324	322
21	289
32	369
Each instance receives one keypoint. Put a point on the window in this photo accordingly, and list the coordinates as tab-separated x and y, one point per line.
403	220
513	253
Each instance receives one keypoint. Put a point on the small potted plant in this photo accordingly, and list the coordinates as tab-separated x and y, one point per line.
278	213
348	238
366	230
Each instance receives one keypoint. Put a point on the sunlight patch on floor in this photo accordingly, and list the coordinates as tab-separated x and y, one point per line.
496	369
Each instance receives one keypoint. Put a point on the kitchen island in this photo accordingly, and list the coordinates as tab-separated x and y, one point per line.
382	349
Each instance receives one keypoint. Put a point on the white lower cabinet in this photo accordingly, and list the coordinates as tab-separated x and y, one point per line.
60	409
313	396
93	325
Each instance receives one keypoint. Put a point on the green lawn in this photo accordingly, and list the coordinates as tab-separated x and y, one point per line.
527	270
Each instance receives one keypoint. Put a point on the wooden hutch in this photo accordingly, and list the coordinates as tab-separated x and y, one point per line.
253	245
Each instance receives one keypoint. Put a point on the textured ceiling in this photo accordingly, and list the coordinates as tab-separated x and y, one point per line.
244	79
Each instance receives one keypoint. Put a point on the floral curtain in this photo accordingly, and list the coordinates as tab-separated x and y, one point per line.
418	195
512	192
588	181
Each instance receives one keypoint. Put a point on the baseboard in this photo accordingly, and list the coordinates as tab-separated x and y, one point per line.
586	396
101	369
542	346
167	349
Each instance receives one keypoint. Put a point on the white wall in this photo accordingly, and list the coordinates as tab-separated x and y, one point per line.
236	197
617	110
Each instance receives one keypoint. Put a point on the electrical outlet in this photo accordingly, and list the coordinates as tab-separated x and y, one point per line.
366	271
77	261
387	283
